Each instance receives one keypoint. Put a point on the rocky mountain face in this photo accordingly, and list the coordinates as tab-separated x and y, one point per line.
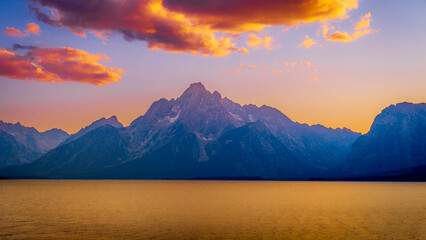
26	143
252	150
13	153
112	121
316	145
199	134
396	140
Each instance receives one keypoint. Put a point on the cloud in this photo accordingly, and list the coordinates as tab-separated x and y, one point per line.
48	64
307	43
203	28
32	28
238	71
361	28
258	42
242	67
21	47
15	66
364	23
305	66
13	32
314	79
145	20
292	64
242	50
307	63
101	35
238	16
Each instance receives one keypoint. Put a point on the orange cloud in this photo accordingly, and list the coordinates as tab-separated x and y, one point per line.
146	20
32	28
258	42
361	28
47	64
364	23
308	63
13	32
238	71
242	67
101	35
242	50
240	16
15	66
292	64
266	68
203	28
307	43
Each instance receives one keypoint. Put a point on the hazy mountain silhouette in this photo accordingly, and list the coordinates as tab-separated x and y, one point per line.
24	144
13	153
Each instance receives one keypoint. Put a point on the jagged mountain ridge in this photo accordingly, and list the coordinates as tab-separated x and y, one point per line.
317	145
25	144
112	121
184	138
33	139
197	110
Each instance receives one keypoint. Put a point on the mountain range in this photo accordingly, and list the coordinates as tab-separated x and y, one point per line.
202	135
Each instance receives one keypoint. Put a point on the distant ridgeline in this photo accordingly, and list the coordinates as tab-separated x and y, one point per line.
201	135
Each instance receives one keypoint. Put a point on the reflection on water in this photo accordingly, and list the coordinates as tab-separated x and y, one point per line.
50	209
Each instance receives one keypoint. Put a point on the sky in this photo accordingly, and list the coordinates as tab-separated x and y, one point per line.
65	64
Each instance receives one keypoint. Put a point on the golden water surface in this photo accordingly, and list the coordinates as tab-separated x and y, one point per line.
70	209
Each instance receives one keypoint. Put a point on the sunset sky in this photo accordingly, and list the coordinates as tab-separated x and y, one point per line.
64	64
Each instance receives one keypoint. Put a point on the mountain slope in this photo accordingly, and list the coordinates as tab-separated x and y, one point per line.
396	140
176	156
112	121
13	153
252	150
82	158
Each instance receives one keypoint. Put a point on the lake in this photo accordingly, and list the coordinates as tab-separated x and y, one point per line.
109	209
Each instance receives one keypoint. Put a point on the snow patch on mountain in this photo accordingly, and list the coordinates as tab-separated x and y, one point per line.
172	119
236	116
251	118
